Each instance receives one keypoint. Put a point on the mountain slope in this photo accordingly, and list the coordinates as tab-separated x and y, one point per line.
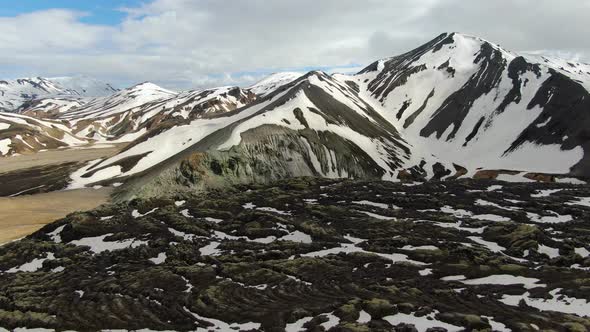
51	108
128	114
313	126
15	93
21	134
133	112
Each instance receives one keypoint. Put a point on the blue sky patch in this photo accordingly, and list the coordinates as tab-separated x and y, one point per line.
104	12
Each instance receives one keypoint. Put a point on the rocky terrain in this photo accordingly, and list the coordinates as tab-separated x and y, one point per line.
310	254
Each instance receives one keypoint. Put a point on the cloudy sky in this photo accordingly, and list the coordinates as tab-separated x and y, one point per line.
182	44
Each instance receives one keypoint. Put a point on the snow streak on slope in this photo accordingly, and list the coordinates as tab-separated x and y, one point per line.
51	108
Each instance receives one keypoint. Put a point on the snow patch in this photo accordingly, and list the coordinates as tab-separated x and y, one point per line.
161	258
555	219
32	266
5	146
98	244
559	303
421	323
364	317
505	279
55	235
219	325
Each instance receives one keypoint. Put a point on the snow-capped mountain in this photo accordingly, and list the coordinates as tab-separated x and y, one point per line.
456	106
96	120
129	99
470	102
273	81
15	93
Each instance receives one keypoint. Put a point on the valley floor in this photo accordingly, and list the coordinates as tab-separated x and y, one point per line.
58	156
23	215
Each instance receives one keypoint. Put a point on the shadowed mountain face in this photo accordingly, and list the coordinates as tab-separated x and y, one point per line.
456	106
312	254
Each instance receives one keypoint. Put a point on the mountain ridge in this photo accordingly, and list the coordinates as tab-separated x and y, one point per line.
457	106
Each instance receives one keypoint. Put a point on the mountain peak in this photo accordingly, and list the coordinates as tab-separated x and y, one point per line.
273	81
144	85
149	87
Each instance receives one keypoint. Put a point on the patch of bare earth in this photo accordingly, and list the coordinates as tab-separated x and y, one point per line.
37	177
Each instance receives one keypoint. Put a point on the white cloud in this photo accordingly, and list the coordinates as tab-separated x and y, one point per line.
52	30
189	43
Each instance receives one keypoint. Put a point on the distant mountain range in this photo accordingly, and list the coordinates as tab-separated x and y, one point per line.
457	106
15	93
